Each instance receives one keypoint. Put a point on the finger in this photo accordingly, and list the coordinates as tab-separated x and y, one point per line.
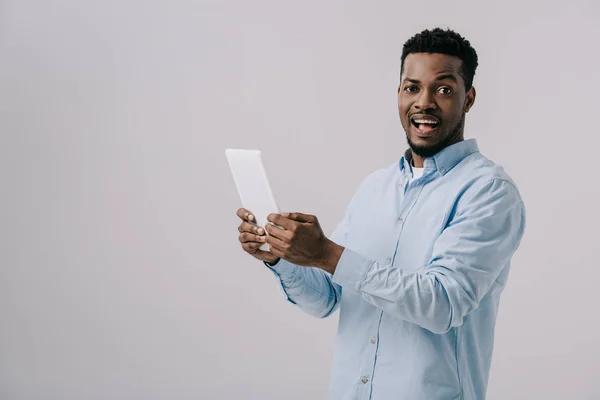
276	252
277	243
299	217
245	237
252	247
248	227
266	256
282	221
245	214
281	234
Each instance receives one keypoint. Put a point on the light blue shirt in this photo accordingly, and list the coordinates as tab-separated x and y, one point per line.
419	281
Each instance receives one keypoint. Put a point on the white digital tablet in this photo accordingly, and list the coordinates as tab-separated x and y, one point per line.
252	185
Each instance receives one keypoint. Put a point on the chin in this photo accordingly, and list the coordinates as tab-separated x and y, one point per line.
425	147
426	151
426	141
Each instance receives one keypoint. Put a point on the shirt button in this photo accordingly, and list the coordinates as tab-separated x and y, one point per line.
400	220
442	170
364	379
373	340
389	260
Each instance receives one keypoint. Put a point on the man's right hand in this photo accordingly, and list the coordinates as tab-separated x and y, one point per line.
252	237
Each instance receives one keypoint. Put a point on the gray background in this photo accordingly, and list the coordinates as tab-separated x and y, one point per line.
120	272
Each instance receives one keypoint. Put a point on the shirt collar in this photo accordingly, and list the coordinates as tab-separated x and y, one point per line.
443	161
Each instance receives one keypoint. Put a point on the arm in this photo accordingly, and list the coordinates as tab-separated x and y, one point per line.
467	258
309	288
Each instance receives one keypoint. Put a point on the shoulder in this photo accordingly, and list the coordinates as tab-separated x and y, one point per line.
379	178
482	178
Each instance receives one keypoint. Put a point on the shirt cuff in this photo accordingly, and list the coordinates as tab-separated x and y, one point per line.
282	269
284	272
351	270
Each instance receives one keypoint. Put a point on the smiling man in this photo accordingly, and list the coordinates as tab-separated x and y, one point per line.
419	261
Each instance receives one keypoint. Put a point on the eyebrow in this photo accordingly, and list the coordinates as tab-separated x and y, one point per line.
439	78
446	76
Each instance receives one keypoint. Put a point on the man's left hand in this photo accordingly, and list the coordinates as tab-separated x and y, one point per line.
299	239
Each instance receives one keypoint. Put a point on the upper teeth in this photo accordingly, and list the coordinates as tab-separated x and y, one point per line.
425	121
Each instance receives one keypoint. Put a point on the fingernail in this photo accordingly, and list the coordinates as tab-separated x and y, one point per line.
250	217
286	214
263	238
260	231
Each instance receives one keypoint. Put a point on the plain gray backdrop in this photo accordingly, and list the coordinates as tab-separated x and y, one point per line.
121	276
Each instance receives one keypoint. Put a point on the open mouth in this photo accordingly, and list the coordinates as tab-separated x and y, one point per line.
425	125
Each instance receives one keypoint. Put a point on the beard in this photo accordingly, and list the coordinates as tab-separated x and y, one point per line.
429	151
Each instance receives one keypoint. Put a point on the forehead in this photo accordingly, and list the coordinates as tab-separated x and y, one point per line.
426	66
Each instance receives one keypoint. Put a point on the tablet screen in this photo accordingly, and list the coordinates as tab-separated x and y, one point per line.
252	184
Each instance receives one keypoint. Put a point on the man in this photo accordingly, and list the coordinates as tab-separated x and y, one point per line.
419	261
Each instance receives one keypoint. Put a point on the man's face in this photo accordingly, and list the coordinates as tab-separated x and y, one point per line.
432	102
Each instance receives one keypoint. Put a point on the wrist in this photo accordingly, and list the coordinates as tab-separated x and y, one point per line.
332	254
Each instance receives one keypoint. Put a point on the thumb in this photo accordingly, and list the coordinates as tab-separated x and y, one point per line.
299	217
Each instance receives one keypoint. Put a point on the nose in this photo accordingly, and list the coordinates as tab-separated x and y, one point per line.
425	101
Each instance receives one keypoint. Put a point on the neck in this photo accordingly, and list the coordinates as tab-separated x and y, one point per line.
417	161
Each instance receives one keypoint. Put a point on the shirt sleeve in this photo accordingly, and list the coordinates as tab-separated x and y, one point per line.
310	288
467	258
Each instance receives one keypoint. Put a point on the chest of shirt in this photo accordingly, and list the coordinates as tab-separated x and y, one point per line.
398	223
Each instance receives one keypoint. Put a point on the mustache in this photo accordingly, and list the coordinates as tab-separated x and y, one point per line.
424	114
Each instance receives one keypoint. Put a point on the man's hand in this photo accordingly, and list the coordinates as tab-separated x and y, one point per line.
299	239
252	237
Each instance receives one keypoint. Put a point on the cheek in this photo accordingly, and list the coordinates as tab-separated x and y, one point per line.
453	111
458	114
459	105
403	108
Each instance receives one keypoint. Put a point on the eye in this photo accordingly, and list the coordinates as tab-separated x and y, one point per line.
411	89
445	90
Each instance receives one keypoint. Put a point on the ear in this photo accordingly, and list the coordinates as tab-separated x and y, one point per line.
470	99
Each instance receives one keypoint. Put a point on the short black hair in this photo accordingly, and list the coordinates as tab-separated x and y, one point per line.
447	42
